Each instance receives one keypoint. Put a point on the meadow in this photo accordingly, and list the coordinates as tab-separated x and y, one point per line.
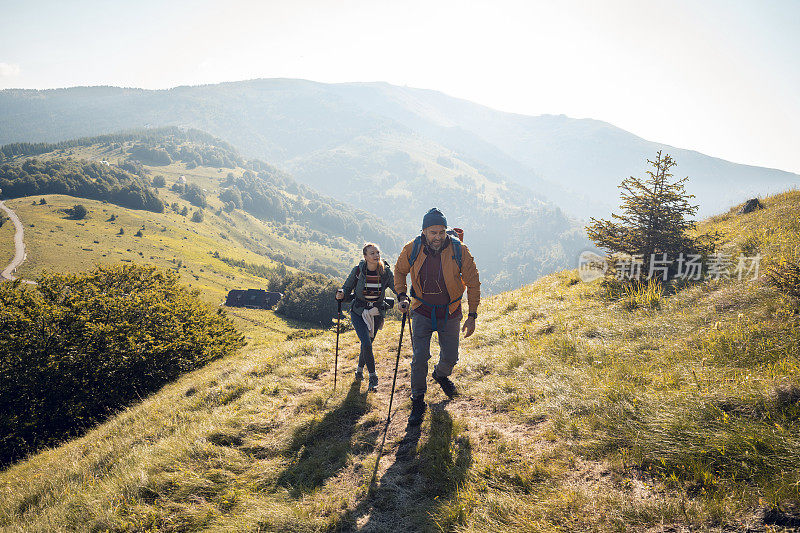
578	410
56	242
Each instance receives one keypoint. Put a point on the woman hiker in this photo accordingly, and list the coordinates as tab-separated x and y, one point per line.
365	287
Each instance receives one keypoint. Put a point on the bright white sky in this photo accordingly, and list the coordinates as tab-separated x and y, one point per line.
718	76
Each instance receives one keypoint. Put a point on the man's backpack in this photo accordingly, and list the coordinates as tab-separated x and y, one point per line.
455	237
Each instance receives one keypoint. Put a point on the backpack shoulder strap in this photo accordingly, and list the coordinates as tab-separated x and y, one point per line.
415	251
456	250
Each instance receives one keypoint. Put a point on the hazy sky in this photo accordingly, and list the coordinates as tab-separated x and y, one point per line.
721	77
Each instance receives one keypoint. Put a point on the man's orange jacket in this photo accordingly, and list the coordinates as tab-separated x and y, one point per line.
456	281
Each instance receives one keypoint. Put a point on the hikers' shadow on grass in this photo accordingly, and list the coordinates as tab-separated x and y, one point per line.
413	489
320	448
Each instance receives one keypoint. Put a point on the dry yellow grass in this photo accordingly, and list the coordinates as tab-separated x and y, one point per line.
6	243
575	413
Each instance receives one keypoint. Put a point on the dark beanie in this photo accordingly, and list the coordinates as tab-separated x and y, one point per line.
432	218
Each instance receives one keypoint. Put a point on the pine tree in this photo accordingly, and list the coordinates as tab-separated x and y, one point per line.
653	220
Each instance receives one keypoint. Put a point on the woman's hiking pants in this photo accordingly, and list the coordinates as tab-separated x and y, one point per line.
366	358
421	344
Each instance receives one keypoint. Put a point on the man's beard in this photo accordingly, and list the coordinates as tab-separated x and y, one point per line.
433	249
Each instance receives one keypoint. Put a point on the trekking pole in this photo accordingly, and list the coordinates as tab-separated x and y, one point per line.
336	360
396	364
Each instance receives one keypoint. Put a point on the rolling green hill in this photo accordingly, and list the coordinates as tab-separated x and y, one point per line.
272	221
578	410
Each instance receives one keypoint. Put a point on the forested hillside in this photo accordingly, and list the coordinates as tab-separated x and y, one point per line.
82	179
146	169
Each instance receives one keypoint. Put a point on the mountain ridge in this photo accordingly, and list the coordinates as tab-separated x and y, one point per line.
522	186
554	170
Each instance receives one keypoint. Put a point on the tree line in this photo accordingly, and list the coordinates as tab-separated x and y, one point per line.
82	179
263	195
151	137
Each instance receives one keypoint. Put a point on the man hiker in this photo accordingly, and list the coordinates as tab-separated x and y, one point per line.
440	267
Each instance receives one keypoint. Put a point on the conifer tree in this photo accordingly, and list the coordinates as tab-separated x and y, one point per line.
653	220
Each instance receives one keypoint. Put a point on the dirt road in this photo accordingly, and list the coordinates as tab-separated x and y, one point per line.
19	244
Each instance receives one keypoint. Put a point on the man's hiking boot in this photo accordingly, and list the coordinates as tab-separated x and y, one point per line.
417	411
359	374
373	383
447	386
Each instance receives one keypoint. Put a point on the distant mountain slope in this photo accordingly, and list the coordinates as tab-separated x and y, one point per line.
577	163
352	154
240	208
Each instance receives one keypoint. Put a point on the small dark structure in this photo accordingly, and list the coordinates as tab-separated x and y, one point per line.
749	206
253	299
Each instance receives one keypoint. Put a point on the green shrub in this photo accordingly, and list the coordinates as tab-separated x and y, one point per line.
310	298
77	212
79	346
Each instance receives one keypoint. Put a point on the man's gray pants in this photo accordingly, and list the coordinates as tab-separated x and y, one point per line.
421	344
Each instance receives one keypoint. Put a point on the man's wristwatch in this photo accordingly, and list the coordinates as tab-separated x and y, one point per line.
472	315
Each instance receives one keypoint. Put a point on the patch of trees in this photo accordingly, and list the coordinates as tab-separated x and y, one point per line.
134	167
77	347
203	155
191	192
81	179
306	297
173	137
77	212
263	195
262	199
154	156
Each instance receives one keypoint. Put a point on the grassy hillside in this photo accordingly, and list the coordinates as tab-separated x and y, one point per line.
318	241
576	413
6	243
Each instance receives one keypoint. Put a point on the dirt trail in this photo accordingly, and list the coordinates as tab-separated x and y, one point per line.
19	244
395	477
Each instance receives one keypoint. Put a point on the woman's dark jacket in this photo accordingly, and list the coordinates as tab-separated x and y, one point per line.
354	287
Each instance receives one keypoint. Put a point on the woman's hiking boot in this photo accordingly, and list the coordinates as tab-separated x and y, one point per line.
359	374
447	386
417	411
373	383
